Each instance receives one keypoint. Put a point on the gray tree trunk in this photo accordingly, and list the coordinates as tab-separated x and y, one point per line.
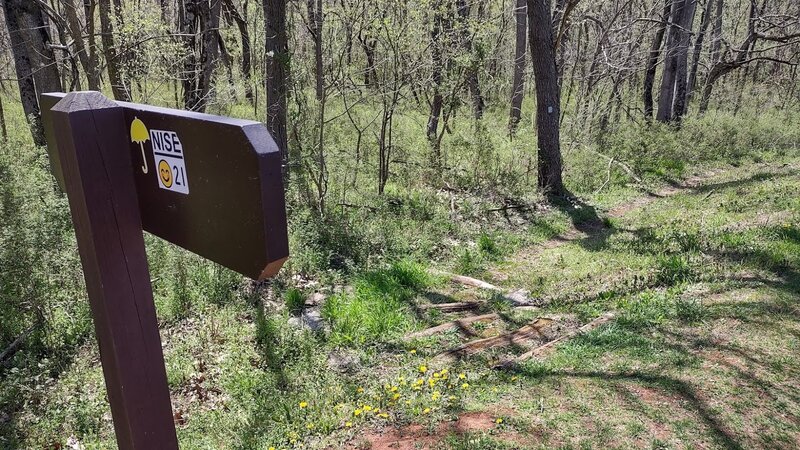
652	62
548	101
681	74
113	61
277	71
518	83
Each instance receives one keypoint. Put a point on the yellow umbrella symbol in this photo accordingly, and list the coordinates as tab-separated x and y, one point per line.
140	135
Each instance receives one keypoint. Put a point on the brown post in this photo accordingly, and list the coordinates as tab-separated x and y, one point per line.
98	175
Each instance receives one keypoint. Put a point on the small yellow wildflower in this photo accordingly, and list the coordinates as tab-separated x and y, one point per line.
412	351
431	382
348	424
360	390
395	397
272	448
436	395
498	421
357	412
465	386
426	411
462	376
452	397
383	416
310	426
393	389
367	408
303	404
423	368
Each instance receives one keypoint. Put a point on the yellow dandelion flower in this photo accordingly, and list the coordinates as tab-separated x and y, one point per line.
383	416
498	421
465	386
452	397
272	448
357	412
360	390
303	404
348	424
393	389
367	408
310	426
462	376
408	402
423	368
426	411
412	351
395	397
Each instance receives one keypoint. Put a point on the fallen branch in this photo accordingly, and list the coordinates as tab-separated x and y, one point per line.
517	298
14	347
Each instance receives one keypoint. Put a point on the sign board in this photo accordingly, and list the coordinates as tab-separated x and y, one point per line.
209	184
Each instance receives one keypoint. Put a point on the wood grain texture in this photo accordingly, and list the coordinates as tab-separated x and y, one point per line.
98	178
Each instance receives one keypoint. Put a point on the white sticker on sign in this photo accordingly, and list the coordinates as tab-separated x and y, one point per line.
170	166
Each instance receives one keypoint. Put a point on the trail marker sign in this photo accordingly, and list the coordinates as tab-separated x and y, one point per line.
209	184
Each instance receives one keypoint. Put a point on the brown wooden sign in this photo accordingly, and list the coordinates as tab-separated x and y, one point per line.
209	184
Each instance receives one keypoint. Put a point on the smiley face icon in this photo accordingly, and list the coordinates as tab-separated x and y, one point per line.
165	174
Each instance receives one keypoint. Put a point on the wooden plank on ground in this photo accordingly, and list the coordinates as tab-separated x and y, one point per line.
453	325
521	337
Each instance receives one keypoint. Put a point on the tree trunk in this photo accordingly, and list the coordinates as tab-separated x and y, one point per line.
548	102
18	17
652	61
672	60
473	84
436	61
681	73
277	71
315	18
518	83
3	129
247	69
716	34
698	48
113	62
94	75
76	32
199	23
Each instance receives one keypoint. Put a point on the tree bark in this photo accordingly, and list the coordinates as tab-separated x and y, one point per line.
247	65
681	74
518	83
315	19
199	23
698	48
548	102
277	71
473	83
652	61
18	16
675	55
437	63
116	75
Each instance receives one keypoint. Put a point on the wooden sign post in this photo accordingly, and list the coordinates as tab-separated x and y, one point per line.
167	172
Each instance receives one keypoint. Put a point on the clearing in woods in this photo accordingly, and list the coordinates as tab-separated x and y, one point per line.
674	323
668	320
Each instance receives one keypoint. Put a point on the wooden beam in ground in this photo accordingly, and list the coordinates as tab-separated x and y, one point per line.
550	346
523	337
453	325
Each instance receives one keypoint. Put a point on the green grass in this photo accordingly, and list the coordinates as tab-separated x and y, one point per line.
705	285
